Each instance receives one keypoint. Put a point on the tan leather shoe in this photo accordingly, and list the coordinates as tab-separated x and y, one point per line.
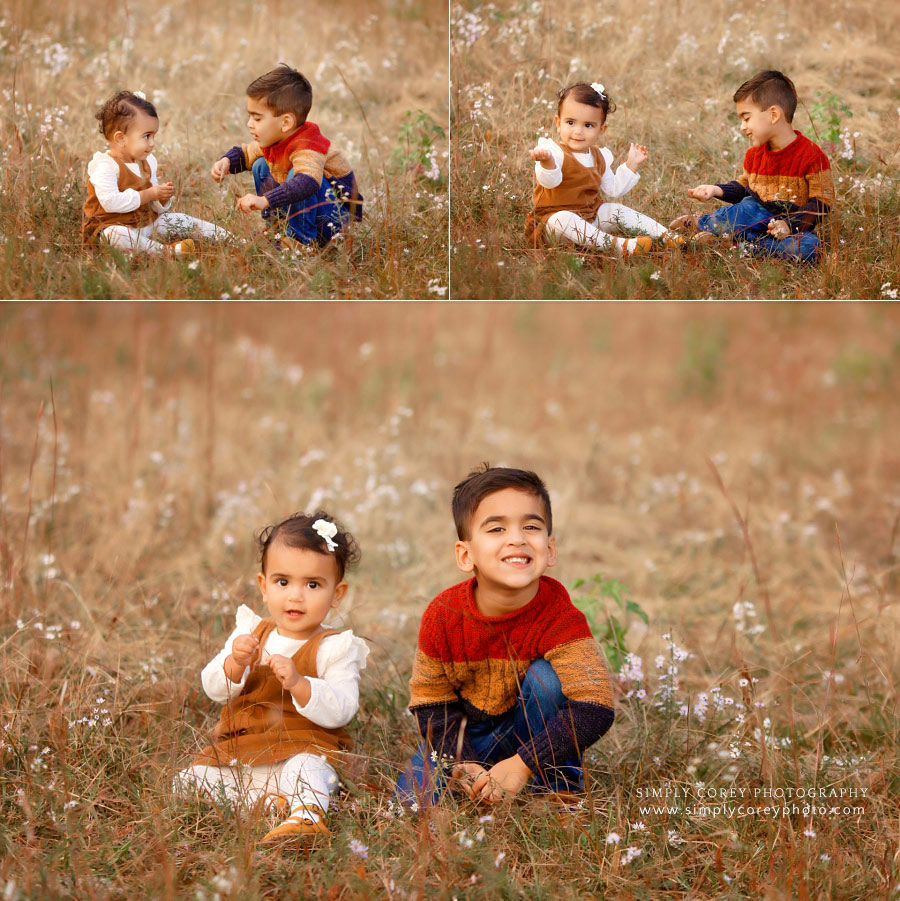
297	825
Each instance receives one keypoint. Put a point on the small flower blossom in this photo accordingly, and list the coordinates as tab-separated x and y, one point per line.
357	847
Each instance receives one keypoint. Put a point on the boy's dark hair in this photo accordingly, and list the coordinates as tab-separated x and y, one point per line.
770	88
119	110
283	90
581	92
487	479
297	531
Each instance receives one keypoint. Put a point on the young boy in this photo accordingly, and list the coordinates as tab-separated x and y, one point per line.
508	681
786	186
296	171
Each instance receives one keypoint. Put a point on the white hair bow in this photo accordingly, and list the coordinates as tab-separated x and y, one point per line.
599	89
326	530
140	94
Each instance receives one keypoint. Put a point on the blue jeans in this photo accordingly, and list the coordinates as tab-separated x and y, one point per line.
499	737
748	221
315	220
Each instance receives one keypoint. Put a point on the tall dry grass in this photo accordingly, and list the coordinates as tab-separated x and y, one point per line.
141	445
671	70
377	69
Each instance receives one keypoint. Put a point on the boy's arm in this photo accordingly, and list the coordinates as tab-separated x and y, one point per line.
437	708
820	185
588	712
433	700
309	170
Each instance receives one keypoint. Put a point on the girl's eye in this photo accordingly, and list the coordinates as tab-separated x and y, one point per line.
312	584
281	583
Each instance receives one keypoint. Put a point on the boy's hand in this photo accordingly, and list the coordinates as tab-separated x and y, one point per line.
284	670
778	229
638	154
503	780
466	774
705	192
543	156
250	202
220	168
243	650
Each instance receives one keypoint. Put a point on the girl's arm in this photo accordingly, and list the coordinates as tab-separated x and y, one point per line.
618	183
217	683
549	178
103	172
155	204
334	695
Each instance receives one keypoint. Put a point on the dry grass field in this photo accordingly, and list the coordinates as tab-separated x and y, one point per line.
379	76
672	70
731	468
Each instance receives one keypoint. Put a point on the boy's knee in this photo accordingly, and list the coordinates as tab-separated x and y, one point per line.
542	684
260	168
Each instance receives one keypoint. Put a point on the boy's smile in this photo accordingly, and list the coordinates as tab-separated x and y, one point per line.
580	125
299	587
765	126
508	549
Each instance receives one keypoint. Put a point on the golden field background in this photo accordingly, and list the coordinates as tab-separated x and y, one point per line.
141	446
376	70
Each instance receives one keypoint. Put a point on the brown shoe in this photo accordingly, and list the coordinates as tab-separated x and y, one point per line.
299	826
642	246
684	223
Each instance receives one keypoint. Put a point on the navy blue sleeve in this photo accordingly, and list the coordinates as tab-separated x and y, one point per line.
292	191
235	158
733	192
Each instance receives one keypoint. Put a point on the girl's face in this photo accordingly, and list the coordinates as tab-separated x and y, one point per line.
299	587
580	126
137	141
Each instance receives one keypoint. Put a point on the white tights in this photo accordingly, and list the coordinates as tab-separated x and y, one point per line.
305	779
167	228
610	217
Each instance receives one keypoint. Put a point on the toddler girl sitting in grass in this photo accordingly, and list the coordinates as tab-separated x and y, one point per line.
571	173
126	204
289	684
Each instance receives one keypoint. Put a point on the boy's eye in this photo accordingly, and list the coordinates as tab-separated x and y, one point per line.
496	529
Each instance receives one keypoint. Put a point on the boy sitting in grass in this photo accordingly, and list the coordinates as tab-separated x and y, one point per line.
296	170
508	682
786	186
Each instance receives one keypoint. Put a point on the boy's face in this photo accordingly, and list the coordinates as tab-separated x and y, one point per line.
137	141
265	126
580	125
758	124
508	545
299	587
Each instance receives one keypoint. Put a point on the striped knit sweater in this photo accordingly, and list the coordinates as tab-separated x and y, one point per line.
311	157
794	182
470	664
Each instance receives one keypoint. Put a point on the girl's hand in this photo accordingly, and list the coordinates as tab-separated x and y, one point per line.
503	780
243	650
284	670
543	156
705	192
250	202
164	192
638	154
220	168
778	229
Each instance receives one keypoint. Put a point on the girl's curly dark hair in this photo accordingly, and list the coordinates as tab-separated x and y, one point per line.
119	110
297	531
581	92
